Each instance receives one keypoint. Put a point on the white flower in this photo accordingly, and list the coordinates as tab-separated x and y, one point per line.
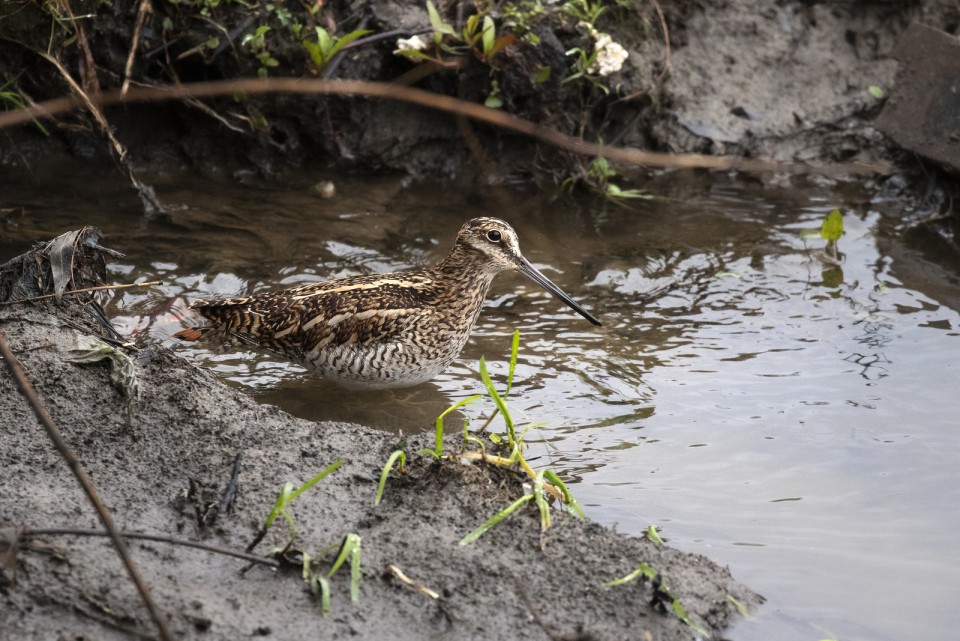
610	55
414	43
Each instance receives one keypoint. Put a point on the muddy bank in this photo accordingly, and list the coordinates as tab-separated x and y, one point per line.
793	81
162	458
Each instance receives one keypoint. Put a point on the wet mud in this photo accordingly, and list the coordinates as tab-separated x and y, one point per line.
163	457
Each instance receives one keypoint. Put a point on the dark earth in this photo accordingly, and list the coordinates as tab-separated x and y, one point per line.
786	80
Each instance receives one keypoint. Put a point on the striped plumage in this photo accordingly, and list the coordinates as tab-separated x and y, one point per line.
381	330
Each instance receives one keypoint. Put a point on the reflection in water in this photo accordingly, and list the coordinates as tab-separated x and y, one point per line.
790	418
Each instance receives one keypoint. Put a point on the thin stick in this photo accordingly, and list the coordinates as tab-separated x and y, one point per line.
441	103
84	479
87	290
145	8
160	538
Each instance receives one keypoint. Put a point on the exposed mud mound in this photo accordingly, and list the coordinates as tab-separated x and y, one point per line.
162	458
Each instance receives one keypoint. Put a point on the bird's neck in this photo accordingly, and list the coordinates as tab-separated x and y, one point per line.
465	273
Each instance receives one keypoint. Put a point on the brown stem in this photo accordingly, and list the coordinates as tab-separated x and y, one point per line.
160	538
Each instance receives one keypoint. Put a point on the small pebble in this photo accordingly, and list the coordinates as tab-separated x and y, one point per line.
325	189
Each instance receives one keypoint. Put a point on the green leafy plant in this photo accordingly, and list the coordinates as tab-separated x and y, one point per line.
741	608
582	62
544	482
519	16
479	37
830	230
256	43
567	499
583	10
327	46
484	41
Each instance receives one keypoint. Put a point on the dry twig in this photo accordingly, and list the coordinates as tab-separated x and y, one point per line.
86	290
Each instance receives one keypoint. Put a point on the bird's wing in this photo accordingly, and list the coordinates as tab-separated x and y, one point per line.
360	310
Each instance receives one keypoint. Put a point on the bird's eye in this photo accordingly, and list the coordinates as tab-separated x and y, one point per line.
493	236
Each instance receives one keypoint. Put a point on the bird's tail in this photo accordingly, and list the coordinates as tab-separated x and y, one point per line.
227	315
192	333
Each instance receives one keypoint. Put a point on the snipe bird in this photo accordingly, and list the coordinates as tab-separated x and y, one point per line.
381	330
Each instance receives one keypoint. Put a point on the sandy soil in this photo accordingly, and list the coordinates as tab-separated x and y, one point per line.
163	461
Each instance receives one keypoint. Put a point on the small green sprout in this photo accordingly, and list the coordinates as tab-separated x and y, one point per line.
350	549
386	472
320	584
437	451
326	47
652	534
256	42
288	494
568	499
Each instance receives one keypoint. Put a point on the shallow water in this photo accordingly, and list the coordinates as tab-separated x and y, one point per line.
793	420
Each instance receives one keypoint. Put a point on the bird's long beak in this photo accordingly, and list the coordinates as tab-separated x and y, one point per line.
531	272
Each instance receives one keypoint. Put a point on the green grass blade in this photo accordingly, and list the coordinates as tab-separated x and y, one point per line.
568	499
438	436
316	479
355	572
496	518
644	570
350	542
501	405
683	616
283	500
386	472
324	595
